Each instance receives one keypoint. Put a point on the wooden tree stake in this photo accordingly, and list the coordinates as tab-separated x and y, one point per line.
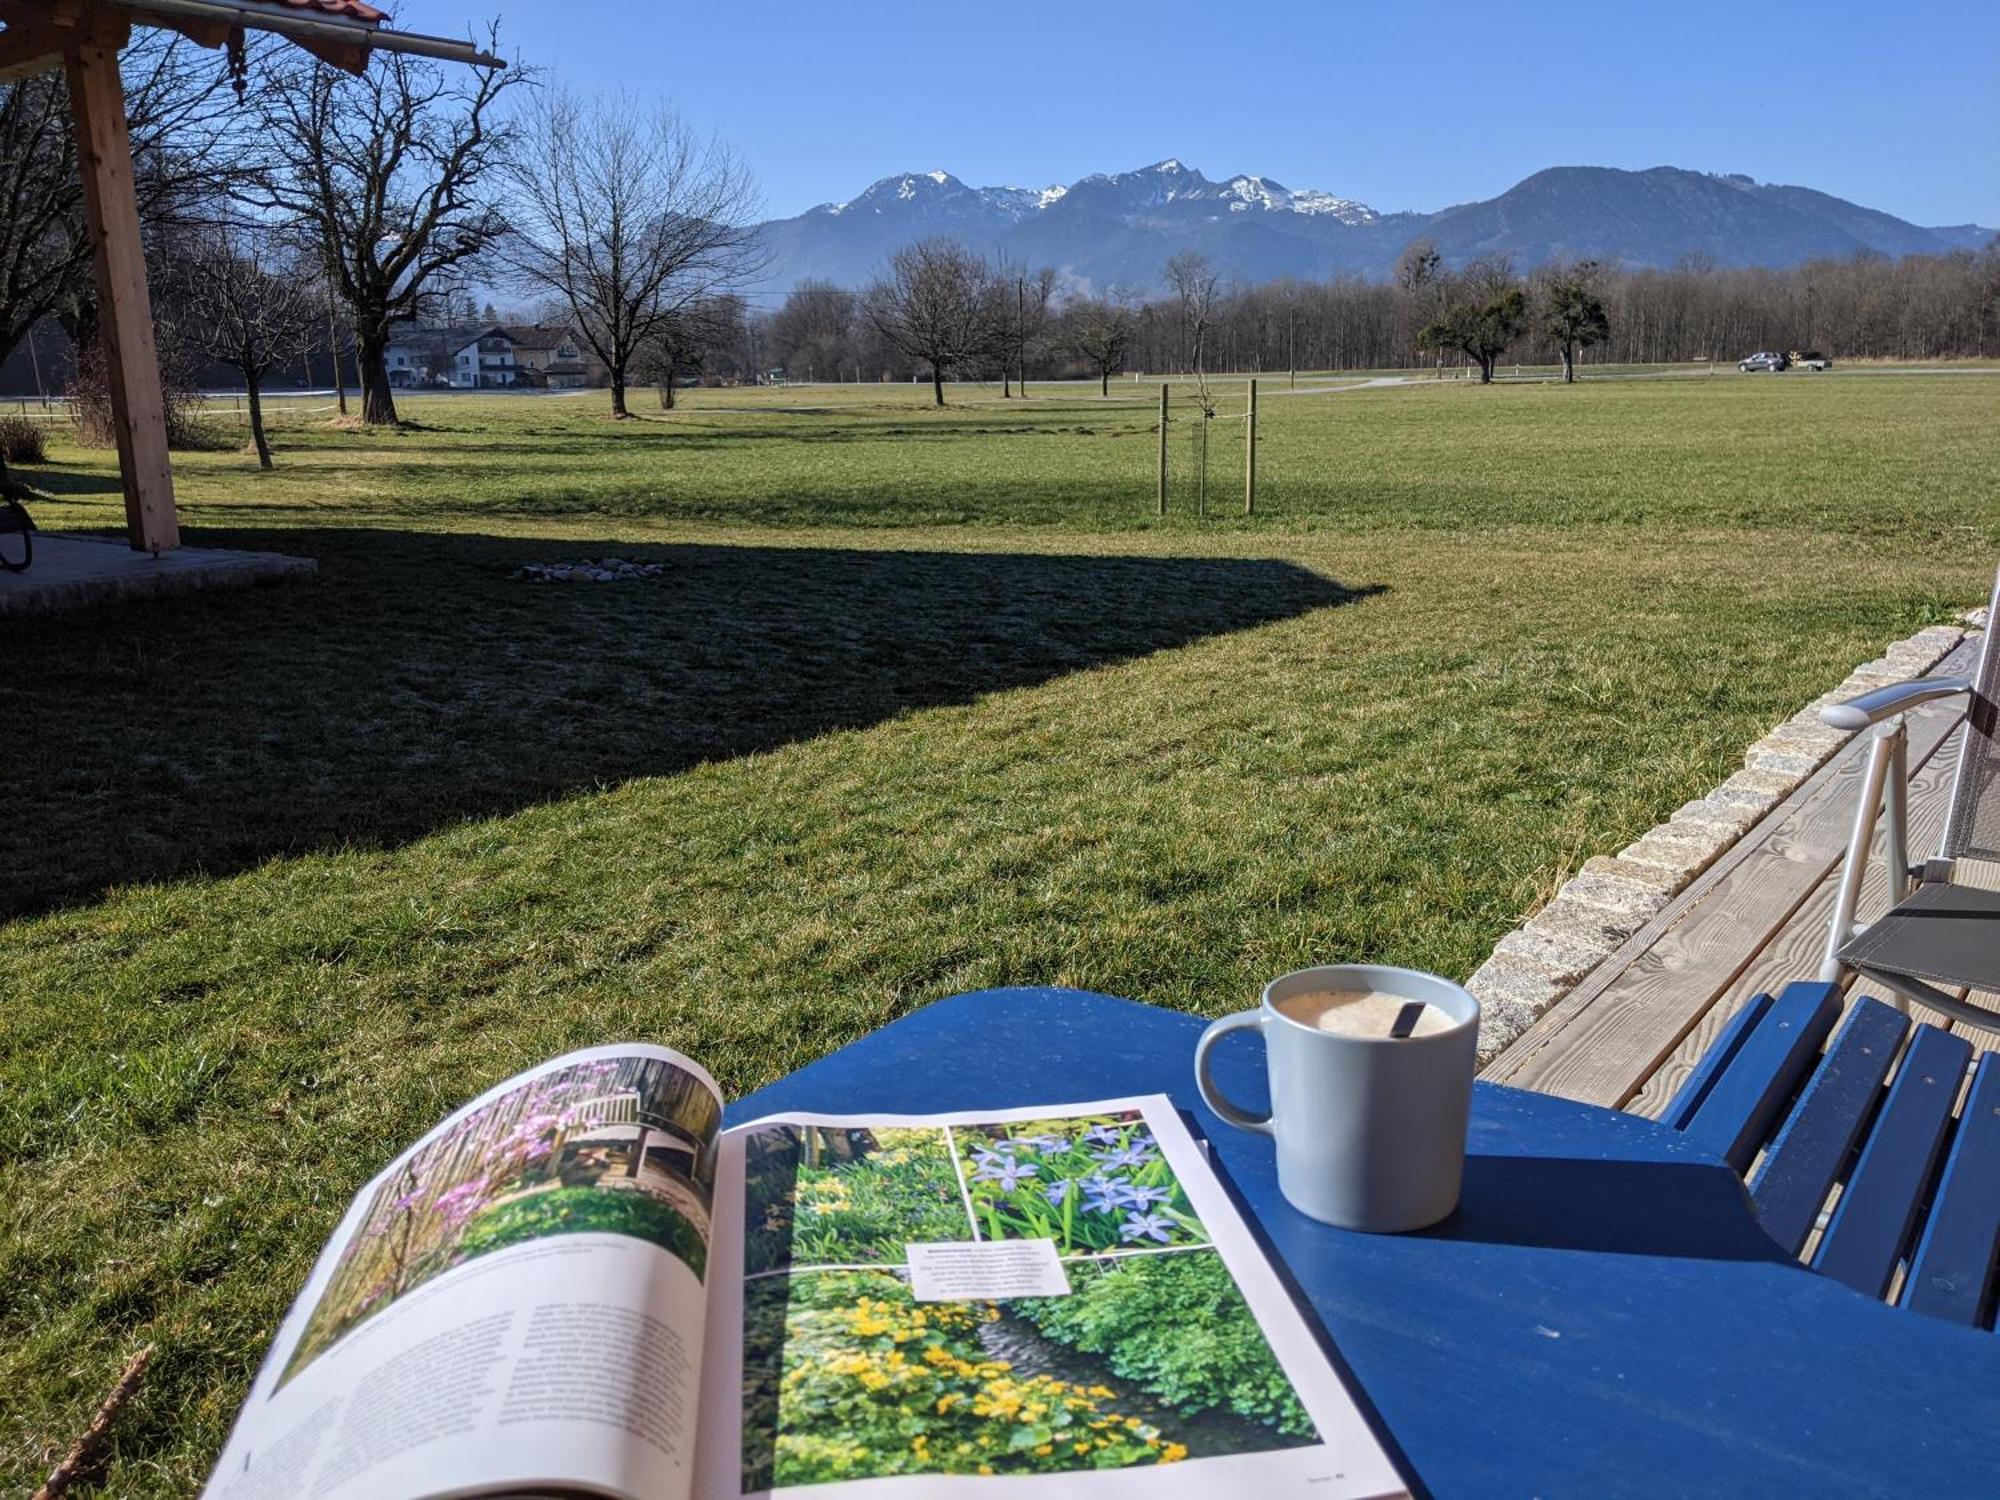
1163	448
1250	453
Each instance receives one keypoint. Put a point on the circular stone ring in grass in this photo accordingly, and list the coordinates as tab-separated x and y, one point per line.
589	570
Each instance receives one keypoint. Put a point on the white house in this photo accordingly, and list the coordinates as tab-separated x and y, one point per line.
486	357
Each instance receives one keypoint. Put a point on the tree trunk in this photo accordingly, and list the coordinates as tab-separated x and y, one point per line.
378	401
937	384
1569	364
333	348
256	402
1485	368
618	392
1103	382
1006	375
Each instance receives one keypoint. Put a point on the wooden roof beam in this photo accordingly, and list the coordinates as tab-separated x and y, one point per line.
28	50
35	40
341	40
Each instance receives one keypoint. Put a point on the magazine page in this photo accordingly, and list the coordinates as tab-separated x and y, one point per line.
1064	1296
516	1303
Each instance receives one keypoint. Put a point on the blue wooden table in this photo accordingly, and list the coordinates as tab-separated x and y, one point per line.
1602	1316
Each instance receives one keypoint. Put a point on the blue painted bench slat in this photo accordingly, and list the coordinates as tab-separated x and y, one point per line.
1882	1146
1952	1272
1721	1052
1749	1096
1872	1222
1819	1139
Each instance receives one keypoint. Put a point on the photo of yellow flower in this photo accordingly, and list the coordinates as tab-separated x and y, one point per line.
1153	1357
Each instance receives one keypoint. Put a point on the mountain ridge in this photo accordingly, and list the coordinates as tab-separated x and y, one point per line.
1116	229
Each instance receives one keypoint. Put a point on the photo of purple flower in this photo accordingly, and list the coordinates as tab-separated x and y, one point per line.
1147	1226
1047	1145
1010	1174
1102	1194
1092	1185
1125	1156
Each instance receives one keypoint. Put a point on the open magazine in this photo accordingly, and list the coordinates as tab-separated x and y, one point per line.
579	1284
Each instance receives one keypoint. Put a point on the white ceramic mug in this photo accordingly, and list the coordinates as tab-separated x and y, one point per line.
1370	1130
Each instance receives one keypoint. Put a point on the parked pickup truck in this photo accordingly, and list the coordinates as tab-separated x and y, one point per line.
1811	359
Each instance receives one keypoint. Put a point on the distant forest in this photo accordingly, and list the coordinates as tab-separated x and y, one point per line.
1917	308
1867	307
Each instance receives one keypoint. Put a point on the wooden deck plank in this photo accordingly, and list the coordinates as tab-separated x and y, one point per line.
1602	1042
1687	1099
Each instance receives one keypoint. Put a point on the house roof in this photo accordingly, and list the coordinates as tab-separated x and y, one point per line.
539	335
341	31
441	343
347	10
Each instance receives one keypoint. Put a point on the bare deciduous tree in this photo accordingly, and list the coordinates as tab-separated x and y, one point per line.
246	301
680	343
936	305
396	174
44	252
631	219
815	330
1100	334
1195	287
1024	298
180	113
1194	283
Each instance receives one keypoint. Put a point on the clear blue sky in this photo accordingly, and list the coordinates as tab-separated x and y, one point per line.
1896	106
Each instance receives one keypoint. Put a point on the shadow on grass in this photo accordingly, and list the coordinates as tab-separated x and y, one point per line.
66	481
413	683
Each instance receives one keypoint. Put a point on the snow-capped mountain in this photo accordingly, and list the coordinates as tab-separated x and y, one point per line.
1119	228
1149	188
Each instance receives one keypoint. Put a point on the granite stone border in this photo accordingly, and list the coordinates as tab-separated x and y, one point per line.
1614	895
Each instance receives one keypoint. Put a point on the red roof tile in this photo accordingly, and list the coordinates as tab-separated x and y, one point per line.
347	10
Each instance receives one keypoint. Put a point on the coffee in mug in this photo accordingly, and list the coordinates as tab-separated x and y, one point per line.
1365	1013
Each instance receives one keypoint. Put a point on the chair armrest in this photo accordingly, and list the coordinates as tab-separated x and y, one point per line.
1886	703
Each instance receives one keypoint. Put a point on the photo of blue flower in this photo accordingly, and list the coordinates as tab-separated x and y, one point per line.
1147	1226
1094	1185
1010	1174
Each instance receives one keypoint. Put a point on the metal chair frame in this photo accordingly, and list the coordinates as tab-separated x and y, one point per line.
1885	798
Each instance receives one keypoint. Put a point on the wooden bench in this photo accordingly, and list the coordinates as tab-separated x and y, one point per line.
1865	1147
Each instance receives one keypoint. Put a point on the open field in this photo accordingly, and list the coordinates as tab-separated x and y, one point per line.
1870	454
924	702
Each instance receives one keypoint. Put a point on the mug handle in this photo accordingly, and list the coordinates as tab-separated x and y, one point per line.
1204	1080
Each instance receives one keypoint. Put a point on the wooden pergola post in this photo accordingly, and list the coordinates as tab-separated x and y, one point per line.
131	359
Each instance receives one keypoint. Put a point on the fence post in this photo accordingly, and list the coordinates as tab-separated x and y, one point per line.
1163	448
1250	453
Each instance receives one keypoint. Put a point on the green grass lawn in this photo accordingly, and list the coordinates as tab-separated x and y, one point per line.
924	702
